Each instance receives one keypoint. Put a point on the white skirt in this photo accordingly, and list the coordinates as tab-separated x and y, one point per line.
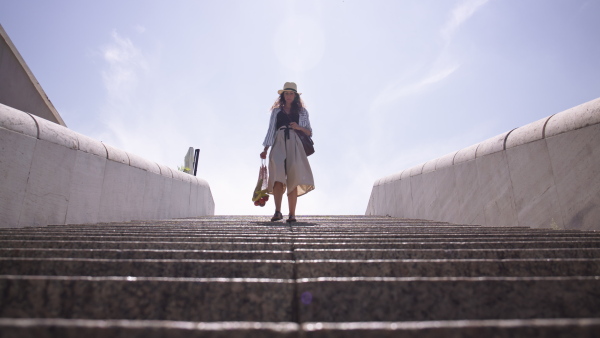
289	165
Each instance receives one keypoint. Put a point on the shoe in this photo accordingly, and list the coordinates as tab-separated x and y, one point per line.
277	217
291	219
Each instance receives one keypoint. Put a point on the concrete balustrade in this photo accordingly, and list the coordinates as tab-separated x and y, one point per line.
545	175
52	175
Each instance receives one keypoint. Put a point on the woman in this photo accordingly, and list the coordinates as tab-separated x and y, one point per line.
288	166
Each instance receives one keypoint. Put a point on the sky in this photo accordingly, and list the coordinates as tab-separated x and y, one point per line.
388	84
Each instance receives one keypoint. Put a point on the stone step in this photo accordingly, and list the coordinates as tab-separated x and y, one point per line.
320	300
446	253
237	246
580	242
448	245
251	236
288	230
149	298
448	268
431	299
298	230
549	328
452	244
303	254
191	268
286	269
310	254
397	245
295	236
325	276
308	251
58	327
147	254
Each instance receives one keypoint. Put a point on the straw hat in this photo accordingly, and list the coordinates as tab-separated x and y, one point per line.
289	87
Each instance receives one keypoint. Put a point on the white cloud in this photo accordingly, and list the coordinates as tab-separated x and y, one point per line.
125	65
442	67
459	15
397	91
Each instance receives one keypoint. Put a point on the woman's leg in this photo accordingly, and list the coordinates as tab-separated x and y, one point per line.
292	198
278	194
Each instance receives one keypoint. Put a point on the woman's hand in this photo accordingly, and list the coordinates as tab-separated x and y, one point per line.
263	155
295	126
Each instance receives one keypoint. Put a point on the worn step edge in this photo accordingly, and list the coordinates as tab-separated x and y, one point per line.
303	268
500	328
287	237
148	267
147	254
159	298
302	240
58	327
559	327
355	254
449	298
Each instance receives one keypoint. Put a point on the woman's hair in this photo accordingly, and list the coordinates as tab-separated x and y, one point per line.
297	104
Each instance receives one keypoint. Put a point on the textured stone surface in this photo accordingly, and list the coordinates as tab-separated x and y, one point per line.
191	299
42	328
536	200
89	145
444	180
575	158
495	190
466	154
237	268
122	192
154	203
556	328
15	161
86	188
492	145
325	276
150	254
48	186
39	176
419	197
448	267
55	133
584	115
451	251
544	174
415	299
527	134
14	120
468	193
139	162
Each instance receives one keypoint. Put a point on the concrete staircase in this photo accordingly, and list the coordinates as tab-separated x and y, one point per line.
331	276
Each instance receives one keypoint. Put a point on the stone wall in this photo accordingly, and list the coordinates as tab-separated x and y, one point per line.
545	175
52	175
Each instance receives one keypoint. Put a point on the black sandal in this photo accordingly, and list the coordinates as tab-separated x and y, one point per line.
291	219
277	217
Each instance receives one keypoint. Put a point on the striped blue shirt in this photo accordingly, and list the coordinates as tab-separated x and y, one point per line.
270	138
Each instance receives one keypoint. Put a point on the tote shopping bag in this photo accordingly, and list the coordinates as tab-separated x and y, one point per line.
260	195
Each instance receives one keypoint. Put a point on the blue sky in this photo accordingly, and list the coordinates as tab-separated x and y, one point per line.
388	84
